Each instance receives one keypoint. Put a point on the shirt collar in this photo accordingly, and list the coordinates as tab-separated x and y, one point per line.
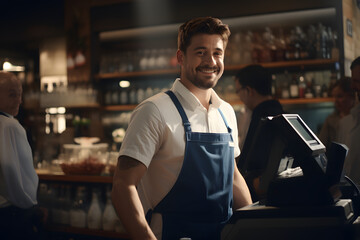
7	115
191	99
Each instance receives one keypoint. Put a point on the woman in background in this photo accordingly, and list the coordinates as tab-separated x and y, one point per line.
344	99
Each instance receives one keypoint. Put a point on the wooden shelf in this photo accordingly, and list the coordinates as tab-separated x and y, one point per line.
293	101
74	178
137	74
119	107
282	64
88	106
305	101
86	231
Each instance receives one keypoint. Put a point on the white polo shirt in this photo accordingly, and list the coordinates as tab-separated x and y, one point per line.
155	136
18	179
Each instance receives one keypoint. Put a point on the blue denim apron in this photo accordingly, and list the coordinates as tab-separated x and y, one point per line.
200	202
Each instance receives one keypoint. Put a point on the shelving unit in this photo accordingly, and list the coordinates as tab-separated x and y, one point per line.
292	101
87	232
282	64
74	178
88	179
228	69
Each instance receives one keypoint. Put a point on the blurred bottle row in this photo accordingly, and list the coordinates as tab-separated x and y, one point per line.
309	84
285	85
79	206
282	44
62	95
115	95
139	60
244	47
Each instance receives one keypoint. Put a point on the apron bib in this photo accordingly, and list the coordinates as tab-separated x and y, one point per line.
200	202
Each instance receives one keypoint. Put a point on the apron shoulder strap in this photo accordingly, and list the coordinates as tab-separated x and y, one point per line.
226	124
181	111
1	113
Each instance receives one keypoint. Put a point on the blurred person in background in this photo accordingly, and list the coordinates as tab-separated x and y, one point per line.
253	85
344	99
19	218
349	130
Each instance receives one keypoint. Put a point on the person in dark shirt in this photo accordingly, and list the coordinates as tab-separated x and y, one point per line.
253	85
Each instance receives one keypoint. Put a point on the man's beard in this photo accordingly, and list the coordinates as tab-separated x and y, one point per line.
203	83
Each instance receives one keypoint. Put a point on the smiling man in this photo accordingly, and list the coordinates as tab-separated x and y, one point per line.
176	174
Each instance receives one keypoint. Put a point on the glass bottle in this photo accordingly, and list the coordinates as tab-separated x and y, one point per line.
294	88
78	209
94	213
133	96
248	48
109	216
280	46
335	54
302	86
64	202
311	42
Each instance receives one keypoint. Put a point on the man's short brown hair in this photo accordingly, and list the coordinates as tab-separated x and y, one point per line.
208	25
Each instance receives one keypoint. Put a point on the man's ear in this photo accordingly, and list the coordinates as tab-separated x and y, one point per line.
180	56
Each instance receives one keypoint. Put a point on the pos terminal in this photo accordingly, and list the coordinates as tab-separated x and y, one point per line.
299	185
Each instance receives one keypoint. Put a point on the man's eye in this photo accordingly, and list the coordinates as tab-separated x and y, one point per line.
200	53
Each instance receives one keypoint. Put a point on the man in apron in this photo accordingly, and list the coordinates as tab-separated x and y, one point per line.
176	175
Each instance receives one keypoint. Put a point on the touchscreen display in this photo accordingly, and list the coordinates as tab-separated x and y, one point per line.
301	129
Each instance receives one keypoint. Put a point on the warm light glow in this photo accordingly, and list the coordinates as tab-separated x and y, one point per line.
124	83
61	110
7	66
53	110
61	121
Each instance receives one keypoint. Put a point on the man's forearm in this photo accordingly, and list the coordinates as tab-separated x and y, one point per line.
128	206
241	193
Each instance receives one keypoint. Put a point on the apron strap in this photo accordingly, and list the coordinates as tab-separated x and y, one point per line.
1	113
226	124
182	113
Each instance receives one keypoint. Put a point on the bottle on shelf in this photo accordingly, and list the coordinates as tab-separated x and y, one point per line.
109	216
294	87
94	214
280	46
311	44
257	48
64	203
78	210
268	49
123	98
248	48
322	42
335	54
133	96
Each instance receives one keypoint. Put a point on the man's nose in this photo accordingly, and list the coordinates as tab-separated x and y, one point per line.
210	59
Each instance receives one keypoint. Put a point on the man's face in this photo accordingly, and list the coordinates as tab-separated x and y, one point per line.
10	95
203	62
355	78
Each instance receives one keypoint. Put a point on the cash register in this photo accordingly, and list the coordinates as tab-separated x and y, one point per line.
300	186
